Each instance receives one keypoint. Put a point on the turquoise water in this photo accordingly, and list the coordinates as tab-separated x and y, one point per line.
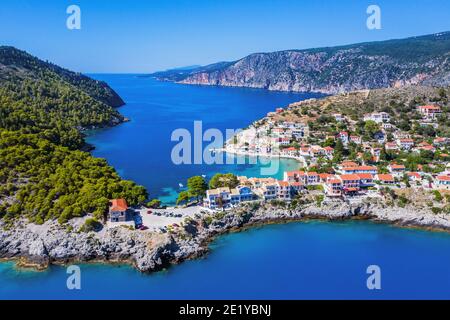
294	261
314	260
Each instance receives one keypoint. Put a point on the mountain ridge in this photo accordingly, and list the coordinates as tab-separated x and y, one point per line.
419	60
19	64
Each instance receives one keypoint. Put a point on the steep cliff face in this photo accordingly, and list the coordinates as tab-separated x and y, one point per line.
420	60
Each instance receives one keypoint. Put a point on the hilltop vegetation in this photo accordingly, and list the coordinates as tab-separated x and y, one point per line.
421	60
43	175
16	64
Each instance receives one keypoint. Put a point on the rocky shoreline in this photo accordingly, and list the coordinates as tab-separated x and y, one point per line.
41	246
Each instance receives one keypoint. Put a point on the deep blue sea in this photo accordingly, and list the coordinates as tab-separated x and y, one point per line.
313	260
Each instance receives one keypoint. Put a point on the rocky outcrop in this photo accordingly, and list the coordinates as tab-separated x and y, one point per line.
415	61
39	246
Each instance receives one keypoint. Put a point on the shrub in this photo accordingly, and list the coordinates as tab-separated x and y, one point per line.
91	225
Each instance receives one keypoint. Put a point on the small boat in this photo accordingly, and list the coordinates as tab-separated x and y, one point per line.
203	175
181	185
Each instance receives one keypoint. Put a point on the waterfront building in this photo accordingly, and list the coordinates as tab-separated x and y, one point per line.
118	210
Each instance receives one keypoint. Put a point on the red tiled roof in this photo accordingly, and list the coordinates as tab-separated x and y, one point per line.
443	178
386	177
119	205
414	174
349	177
349	164
324	176
365	176
361	168
430	107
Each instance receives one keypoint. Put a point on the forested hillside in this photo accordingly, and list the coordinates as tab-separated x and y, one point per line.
43	110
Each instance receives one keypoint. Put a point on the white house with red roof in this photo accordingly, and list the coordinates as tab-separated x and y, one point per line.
405	144
289	152
356	139
343	136
391	146
398	170
430	111
414	176
387	179
440	142
443	182
360	169
118	210
333	187
378	117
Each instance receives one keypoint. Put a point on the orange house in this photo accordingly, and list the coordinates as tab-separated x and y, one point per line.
118	210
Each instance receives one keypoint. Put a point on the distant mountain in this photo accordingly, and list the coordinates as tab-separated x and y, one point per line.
180	74
15	63
423	60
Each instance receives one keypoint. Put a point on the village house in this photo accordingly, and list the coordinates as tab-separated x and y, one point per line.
223	198
297	187
391	146
118	210
386	179
329	151
356	139
378	117
405	144
414	176
289	152
343	136
312	178
440	142
397	170
360	169
429	112
347	164
338	117
380	136
323	177
388	126
333	187
218	198
425	147
443	182
350	184
284	190
366	180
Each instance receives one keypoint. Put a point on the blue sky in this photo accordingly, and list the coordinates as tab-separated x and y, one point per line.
141	36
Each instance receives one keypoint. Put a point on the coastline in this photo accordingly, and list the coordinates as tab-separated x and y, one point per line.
153	252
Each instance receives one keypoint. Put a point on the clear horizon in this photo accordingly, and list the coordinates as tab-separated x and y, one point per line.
142	37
